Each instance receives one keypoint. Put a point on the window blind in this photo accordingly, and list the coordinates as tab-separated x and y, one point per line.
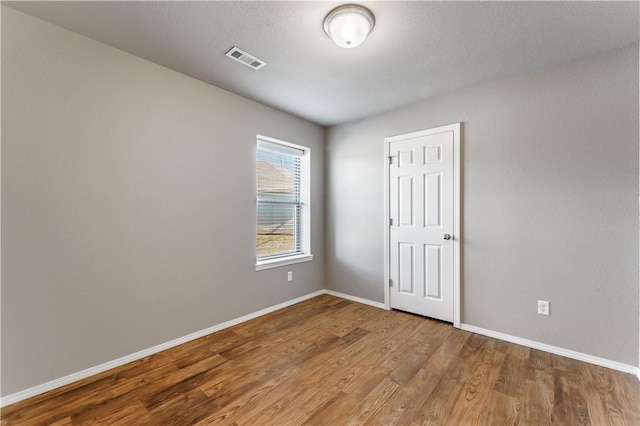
279	200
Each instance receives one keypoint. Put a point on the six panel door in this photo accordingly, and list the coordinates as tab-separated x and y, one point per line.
421	208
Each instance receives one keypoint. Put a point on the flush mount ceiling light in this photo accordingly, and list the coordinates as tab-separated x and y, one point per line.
348	25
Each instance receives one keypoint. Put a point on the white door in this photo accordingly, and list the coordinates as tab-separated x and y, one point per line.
422	229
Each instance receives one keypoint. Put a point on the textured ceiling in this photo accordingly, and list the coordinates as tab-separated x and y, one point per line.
417	49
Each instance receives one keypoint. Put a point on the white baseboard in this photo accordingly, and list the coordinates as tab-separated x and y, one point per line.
614	365
357	299
74	377
63	381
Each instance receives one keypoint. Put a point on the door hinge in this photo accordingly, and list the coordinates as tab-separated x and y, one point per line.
390	160
390	282
390	222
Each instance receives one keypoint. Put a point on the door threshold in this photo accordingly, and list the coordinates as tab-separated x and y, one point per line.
422	316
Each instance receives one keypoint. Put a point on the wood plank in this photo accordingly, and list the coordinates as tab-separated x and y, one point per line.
472	402
438	408
365	408
609	396
184	409
513	373
539	394
126	413
405	404
504	409
570	405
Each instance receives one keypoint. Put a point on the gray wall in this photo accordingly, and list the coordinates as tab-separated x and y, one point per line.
550	192
128	204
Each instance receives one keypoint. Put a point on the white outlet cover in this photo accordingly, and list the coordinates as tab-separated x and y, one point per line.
289	276
543	307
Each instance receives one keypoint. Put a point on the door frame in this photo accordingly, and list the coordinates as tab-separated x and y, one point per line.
457	234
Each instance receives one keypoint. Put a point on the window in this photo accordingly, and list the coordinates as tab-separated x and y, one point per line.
282	204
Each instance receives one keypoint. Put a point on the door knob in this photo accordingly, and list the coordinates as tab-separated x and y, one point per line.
447	236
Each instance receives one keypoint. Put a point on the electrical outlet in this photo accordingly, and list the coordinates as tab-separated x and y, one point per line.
289	276
543	307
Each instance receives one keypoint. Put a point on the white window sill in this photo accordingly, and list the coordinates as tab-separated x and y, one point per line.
274	263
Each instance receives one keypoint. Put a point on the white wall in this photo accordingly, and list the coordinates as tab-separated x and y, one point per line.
128	204
550	193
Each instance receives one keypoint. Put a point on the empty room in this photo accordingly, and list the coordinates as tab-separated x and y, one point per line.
321	213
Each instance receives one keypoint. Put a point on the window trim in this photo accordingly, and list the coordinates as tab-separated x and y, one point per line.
305	227
282	261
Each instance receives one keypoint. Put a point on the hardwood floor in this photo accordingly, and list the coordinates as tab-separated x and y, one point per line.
328	361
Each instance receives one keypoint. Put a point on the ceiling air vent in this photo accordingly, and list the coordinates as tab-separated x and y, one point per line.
245	58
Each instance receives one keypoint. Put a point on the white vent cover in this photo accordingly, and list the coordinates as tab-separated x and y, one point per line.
245	58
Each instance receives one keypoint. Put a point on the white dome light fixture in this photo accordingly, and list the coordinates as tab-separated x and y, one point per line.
349	25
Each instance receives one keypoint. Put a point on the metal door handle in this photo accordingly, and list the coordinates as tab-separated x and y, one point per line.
447	236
